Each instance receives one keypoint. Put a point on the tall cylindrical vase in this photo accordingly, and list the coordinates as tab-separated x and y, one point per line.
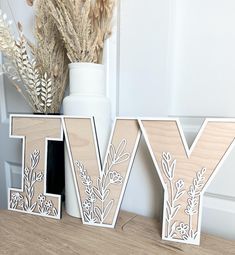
87	98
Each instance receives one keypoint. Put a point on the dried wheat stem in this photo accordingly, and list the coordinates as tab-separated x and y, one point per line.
32	63
84	26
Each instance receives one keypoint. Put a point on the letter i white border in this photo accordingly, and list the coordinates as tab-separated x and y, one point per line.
45	163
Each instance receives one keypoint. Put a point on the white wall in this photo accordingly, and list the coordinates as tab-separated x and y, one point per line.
143	90
177	58
204	58
203	79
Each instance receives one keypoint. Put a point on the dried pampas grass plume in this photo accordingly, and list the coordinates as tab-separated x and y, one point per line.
84	26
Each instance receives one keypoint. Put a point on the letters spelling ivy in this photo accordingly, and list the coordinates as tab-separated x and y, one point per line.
185	173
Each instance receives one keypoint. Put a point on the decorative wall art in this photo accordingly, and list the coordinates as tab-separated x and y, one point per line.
100	189
35	131
186	173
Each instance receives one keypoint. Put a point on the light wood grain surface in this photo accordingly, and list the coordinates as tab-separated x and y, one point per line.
183	175
28	234
35	131
82	146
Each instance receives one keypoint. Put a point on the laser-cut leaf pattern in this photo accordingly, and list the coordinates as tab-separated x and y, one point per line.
97	206
180	230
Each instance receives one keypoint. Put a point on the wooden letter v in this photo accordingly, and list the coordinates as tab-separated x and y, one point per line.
100	190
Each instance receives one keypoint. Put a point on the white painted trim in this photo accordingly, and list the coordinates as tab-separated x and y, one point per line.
111	55
3	107
118	59
8	173
219	209
220	202
45	163
170	52
8	177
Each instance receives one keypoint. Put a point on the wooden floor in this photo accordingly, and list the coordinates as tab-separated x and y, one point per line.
26	234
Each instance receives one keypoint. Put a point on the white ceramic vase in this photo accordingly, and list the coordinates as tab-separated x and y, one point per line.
87	98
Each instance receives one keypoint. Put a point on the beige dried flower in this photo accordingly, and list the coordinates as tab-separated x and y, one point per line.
29	2
7	42
84	26
39	72
50	52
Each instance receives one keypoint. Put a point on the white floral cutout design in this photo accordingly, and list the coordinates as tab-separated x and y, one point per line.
174	229
26	201
97	206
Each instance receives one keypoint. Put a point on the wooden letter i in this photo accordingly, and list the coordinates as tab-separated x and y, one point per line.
32	197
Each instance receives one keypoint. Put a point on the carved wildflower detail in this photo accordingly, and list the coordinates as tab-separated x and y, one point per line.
168	166
86	205
115	177
16	200
180	230
26	201
46	207
193	201
176	192
97	206
183	228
